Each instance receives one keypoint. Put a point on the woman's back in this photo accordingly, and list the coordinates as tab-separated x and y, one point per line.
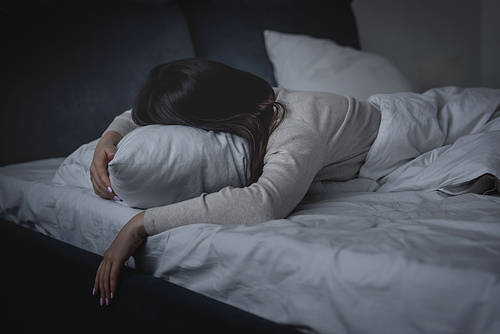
346	127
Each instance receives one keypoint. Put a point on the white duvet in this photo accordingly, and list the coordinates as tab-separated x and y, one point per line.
441	138
384	253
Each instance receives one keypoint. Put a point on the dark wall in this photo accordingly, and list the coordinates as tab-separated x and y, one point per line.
435	43
67	70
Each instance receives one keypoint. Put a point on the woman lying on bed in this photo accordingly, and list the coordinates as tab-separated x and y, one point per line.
294	138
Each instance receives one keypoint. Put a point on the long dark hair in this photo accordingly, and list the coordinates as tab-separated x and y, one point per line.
211	96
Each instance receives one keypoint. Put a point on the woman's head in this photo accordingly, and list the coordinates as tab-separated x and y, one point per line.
211	96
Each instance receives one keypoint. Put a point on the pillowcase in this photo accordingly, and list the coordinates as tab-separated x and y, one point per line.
157	165
306	63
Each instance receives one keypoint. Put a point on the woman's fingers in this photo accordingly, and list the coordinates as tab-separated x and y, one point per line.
102	167
99	190
95	290
99	173
105	282
113	279
103	154
103	179
101	285
98	282
96	172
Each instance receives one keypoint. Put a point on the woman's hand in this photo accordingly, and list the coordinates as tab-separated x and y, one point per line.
103	154
130	237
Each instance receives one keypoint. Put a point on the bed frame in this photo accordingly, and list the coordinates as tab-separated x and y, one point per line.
47	283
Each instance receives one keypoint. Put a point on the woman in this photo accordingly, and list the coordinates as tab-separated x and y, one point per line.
294	138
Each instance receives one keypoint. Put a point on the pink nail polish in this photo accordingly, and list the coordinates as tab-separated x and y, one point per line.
100	301
107	301
109	189
93	292
116	198
111	295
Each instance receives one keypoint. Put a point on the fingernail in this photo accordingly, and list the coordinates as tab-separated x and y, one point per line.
100	301
109	189
93	292
111	295
107	301
116	198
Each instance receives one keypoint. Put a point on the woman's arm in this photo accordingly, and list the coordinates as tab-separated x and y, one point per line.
122	124
288	172
105	151
130	237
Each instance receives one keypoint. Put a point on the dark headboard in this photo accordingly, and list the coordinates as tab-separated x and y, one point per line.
70	66
231	31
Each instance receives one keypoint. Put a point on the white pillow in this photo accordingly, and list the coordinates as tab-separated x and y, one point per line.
157	165
305	63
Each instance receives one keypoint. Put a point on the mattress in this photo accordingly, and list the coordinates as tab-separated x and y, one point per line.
348	260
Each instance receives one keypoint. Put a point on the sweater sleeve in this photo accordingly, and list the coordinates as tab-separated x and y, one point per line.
288	172
122	124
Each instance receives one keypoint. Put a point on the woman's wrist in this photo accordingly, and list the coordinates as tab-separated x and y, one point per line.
137	225
111	137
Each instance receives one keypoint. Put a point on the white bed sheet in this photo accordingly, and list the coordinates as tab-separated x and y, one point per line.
343	262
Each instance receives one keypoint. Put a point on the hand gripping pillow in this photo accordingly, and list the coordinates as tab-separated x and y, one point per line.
157	165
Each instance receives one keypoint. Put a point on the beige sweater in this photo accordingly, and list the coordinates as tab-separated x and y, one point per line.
324	136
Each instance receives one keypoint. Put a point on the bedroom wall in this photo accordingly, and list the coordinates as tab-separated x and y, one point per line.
490	43
434	43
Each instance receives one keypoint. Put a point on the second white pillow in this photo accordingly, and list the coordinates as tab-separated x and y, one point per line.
306	63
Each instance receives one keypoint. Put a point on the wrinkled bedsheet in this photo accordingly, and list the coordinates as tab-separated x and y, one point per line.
352	258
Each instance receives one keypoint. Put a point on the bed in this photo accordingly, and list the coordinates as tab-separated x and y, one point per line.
411	246
354	256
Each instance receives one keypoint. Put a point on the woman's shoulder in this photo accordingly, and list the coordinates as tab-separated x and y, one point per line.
284	93
318	110
309	104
